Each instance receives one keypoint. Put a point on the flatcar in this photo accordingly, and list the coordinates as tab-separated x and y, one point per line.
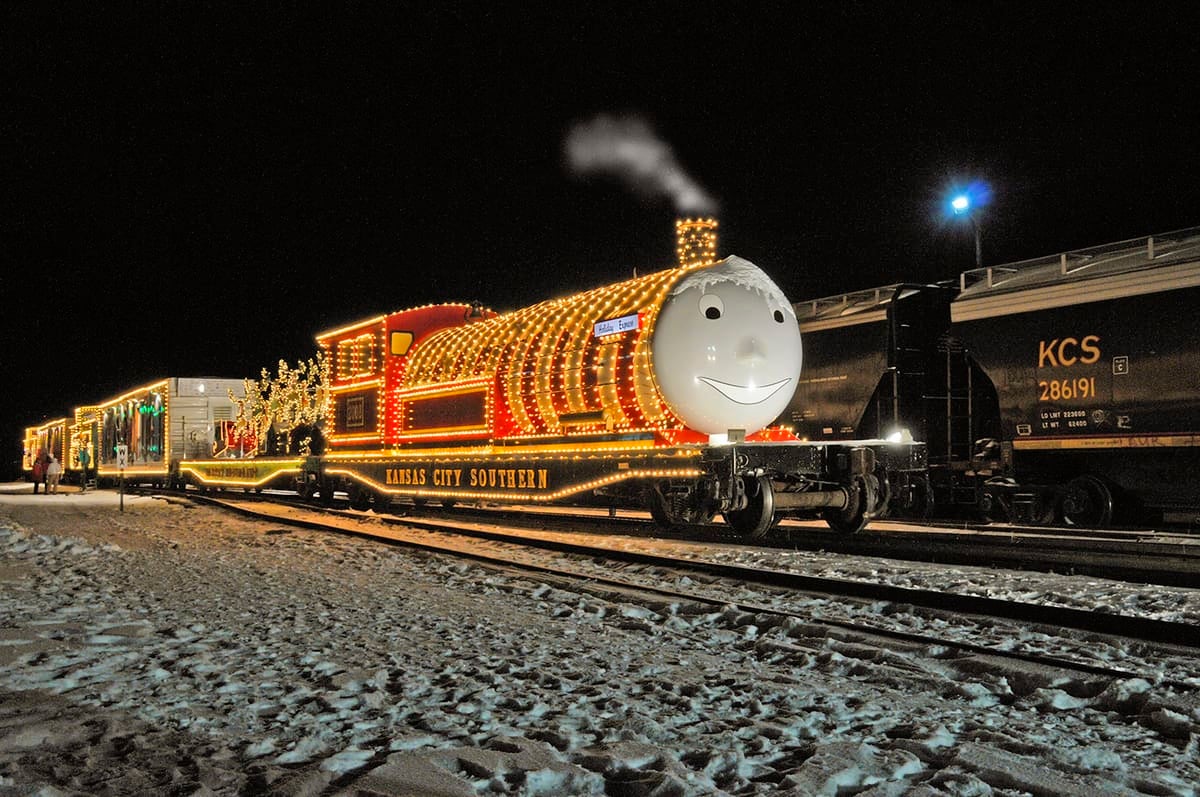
1056	390
654	392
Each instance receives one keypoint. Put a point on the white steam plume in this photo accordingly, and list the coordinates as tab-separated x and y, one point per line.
627	147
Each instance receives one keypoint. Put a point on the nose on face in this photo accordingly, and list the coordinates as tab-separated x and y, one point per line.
750	350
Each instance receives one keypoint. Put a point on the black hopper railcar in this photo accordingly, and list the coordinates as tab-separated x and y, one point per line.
1063	389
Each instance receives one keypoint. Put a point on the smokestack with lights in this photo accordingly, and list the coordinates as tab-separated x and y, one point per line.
696	241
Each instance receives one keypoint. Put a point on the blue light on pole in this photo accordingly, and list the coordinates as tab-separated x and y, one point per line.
969	203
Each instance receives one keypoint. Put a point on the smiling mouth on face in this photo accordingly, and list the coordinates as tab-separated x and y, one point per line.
744	395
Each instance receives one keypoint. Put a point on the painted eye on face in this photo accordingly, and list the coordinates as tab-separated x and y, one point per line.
778	316
711	306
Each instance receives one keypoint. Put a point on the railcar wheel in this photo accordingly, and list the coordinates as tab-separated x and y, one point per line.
658	509
1087	502
912	498
1044	508
883	501
305	489
759	513
671	510
861	498
360	499
996	499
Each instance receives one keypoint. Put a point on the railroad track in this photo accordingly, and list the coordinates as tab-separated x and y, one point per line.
593	567
1144	556
1136	555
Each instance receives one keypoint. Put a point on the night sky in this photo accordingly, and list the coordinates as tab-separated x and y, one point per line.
197	189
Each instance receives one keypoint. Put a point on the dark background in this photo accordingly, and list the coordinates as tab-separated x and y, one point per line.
197	189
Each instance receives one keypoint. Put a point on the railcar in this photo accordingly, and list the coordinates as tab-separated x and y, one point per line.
82	436
655	392
1095	356
882	363
160	424
1062	389
50	436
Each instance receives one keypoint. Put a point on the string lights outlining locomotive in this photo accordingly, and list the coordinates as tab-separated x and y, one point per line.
656	392
1056	390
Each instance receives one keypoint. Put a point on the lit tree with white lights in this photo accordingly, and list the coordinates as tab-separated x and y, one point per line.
290	404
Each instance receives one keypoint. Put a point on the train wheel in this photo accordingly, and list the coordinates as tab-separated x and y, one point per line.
306	488
360	499
996	499
1087	502
1044	507
659	509
759	513
913	498
881	507
671	510
854	516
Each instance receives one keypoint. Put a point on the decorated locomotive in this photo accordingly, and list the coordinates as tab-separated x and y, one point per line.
654	392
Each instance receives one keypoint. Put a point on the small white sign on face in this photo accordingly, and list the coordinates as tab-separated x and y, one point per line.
615	326
122	456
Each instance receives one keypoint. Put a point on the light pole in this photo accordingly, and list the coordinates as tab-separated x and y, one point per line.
962	206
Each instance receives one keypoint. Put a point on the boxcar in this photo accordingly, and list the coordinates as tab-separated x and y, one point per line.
160	423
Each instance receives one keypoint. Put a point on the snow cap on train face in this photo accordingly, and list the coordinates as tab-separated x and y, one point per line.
726	348
743	273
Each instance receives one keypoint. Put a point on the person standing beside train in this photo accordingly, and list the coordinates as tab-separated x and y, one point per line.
53	474
85	459
39	469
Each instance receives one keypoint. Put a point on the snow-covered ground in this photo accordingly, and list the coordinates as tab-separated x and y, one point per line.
173	649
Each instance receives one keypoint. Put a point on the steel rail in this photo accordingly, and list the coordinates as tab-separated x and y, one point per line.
1144	556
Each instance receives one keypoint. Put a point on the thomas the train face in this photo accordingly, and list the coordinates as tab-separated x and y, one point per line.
727	348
